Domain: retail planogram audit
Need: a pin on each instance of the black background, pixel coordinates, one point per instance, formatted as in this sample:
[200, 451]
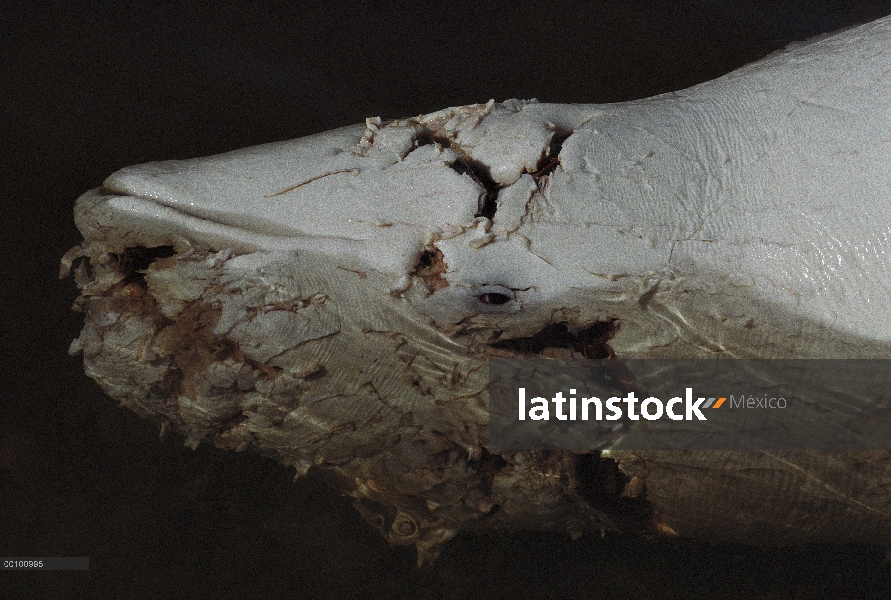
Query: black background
[88, 88]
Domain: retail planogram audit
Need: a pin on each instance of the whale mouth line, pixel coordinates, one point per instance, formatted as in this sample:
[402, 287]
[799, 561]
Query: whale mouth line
[557, 341]
[134, 261]
[247, 224]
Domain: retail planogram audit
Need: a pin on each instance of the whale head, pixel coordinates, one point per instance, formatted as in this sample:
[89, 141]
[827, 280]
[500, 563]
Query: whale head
[332, 301]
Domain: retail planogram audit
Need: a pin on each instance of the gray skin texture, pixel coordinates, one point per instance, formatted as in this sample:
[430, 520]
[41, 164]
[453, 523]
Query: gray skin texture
[332, 301]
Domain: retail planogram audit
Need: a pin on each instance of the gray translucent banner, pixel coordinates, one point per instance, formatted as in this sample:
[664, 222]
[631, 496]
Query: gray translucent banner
[553, 404]
[45, 563]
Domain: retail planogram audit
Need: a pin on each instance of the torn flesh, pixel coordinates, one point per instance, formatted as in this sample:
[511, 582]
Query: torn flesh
[332, 301]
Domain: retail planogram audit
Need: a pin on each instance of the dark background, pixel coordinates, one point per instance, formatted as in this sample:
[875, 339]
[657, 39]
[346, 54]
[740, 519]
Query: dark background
[86, 89]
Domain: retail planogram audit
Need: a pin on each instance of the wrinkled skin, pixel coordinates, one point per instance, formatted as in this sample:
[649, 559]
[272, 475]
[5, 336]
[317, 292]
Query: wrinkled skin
[332, 301]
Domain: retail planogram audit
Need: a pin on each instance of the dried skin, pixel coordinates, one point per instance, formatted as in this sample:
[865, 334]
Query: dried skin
[413, 459]
[332, 302]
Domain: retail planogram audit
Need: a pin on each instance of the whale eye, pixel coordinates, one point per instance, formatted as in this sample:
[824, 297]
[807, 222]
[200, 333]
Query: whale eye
[493, 298]
[404, 527]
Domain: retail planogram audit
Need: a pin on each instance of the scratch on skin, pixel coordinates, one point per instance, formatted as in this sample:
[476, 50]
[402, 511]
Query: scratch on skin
[528, 244]
[345, 426]
[294, 187]
[361, 274]
[397, 407]
[825, 485]
[608, 276]
[327, 336]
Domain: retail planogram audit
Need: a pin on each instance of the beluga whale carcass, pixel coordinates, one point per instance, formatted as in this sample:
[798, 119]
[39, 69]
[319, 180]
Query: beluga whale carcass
[333, 301]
